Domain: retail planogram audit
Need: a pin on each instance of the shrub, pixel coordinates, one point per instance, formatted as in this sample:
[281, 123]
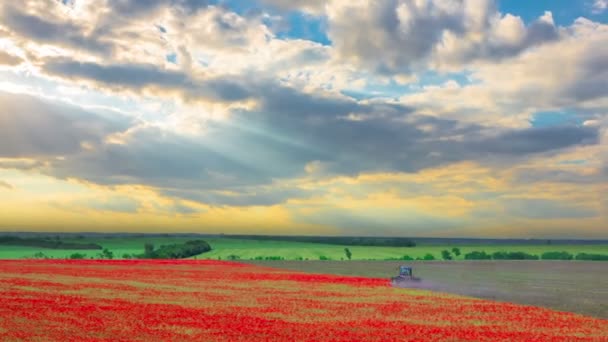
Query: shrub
[78, 256]
[105, 254]
[475, 255]
[456, 251]
[445, 254]
[323, 257]
[513, 256]
[429, 256]
[233, 257]
[557, 256]
[591, 257]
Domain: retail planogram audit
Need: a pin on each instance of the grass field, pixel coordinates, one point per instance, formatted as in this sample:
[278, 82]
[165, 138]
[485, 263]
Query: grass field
[580, 286]
[250, 249]
[196, 300]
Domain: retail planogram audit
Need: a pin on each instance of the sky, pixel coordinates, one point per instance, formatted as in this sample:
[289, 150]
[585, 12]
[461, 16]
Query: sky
[438, 118]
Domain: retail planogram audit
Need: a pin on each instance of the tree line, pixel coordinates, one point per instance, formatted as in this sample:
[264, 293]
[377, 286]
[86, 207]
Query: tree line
[333, 240]
[50, 243]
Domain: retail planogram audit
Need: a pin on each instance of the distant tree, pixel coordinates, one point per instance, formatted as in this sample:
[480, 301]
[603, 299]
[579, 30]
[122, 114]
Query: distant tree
[445, 254]
[148, 250]
[429, 256]
[233, 257]
[348, 253]
[126, 256]
[557, 256]
[500, 255]
[476, 255]
[78, 256]
[106, 254]
[456, 251]
[591, 257]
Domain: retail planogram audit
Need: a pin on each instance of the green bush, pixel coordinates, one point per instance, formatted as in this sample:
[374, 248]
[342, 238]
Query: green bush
[233, 257]
[445, 254]
[475, 255]
[105, 254]
[323, 257]
[591, 257]
[273, 258]
[78, 256]
[429, 256]
[456, 251]
[557, 256]
[513, 256]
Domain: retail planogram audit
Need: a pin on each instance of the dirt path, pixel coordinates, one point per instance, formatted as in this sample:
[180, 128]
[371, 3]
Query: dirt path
[580, 287]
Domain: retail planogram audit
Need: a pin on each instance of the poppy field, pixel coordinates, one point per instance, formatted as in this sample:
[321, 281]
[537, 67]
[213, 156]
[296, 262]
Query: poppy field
[162, 300]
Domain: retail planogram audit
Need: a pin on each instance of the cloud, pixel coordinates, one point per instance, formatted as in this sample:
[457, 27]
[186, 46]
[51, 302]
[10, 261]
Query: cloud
[32, 127]
[599, 6]
[311, 6]
[403, 36]
[510, 92]
[535, 140]
[236, 161]
[142, 77]
[5, 185]
[8, 59]
[52, 31]
[119, 204]
[532, 175]
[546, 209]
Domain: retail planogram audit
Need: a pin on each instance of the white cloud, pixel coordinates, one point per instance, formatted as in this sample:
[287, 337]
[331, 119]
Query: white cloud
[402, 35]
[599, 6]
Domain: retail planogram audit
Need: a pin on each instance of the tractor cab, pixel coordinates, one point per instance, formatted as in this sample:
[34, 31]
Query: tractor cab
[405, 275]
[405, 271]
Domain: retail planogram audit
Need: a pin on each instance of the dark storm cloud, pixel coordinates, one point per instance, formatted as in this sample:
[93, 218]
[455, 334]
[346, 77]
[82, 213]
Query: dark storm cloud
[31, 127]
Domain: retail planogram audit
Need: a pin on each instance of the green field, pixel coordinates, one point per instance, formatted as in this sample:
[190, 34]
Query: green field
[250, 249]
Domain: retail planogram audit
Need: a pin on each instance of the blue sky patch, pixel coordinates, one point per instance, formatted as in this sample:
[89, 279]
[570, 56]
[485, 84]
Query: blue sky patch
[564, 11]
[555, 118]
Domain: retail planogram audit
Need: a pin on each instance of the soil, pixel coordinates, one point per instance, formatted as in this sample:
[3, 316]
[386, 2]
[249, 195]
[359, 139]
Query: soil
[574, 286]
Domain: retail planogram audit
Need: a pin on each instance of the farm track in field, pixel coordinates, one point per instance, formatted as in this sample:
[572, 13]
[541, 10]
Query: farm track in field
[579, 287]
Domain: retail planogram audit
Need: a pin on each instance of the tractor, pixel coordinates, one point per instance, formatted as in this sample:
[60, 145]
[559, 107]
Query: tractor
[405, 276]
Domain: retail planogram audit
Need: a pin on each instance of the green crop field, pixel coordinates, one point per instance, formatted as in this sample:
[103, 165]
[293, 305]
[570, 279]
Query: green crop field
[251, 249]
